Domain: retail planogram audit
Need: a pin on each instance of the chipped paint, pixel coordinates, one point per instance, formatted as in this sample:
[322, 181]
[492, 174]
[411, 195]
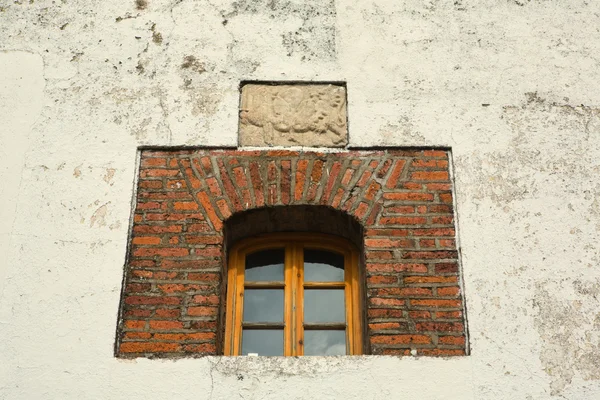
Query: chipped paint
[99, 216]
[110, 173]
[570, 333]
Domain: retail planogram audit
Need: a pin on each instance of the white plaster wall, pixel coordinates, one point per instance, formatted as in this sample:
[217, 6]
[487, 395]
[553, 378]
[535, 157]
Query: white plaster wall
[512, 86]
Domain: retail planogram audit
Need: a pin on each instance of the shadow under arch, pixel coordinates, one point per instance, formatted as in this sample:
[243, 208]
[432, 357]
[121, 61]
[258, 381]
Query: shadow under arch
[293, 218]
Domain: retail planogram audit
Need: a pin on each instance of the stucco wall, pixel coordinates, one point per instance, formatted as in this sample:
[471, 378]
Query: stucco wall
[512, 86]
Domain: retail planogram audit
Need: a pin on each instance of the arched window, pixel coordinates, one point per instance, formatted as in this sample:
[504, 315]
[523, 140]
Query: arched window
[200, 215]
[293, 294]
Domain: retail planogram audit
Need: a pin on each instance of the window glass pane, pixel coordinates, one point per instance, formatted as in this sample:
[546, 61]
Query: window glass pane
[263, 305]
[323, 266]
[265, 342]
[324, 343]
[324, 305]
[265, 265]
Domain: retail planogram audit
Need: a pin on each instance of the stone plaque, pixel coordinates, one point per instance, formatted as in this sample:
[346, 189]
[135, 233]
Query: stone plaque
[293, 115]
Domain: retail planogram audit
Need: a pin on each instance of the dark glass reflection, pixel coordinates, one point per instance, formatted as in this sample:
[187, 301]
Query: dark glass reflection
[264, 342]
[265, 266]
[263, 305]
[324, 305]
[324, 343]
[323, 266]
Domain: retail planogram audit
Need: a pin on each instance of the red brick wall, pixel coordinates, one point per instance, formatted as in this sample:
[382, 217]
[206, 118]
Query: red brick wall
[172, 299]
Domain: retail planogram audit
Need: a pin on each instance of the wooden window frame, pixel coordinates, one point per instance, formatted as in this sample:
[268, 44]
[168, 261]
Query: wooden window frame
[293, 286]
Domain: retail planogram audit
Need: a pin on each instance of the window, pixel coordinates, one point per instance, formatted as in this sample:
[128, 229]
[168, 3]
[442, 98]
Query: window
[293, 294]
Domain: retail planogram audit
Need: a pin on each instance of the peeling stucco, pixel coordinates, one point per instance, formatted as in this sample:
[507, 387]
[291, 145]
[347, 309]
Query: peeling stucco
[99, 216]
[570, 332]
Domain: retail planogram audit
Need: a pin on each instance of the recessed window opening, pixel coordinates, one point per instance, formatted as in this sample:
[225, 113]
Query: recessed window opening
[391, 210]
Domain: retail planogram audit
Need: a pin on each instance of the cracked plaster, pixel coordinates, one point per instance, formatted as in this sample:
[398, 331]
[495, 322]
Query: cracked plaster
[511, 86]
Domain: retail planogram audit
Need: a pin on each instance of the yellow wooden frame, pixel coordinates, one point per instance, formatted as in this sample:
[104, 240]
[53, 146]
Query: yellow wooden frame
[293, 286]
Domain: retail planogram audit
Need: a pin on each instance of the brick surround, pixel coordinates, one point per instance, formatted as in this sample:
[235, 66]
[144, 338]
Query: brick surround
[172, 302]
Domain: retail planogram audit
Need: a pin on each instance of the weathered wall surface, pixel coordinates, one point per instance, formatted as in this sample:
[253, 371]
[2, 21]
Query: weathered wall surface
[512, 86]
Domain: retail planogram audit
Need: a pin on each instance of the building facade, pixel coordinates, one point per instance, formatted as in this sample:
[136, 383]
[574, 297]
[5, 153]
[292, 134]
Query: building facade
[141, 140]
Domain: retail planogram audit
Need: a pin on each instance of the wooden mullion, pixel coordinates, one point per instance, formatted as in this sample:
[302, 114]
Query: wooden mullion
[348, 276]
[299, 309]
[263, 325]
[326, 326]
[324, 285]
[356, 305]
[230, 327]
[264, 285]
[239, 304]
[289, 300]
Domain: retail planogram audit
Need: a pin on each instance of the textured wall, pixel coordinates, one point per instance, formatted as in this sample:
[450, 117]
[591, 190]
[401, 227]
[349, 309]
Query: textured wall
[511, 86]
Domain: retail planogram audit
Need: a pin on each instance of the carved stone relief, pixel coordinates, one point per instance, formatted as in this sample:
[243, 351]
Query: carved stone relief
[293, 115]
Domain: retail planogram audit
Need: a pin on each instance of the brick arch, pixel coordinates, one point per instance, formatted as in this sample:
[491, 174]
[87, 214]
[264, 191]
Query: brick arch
[224, 182]
[402, 198]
